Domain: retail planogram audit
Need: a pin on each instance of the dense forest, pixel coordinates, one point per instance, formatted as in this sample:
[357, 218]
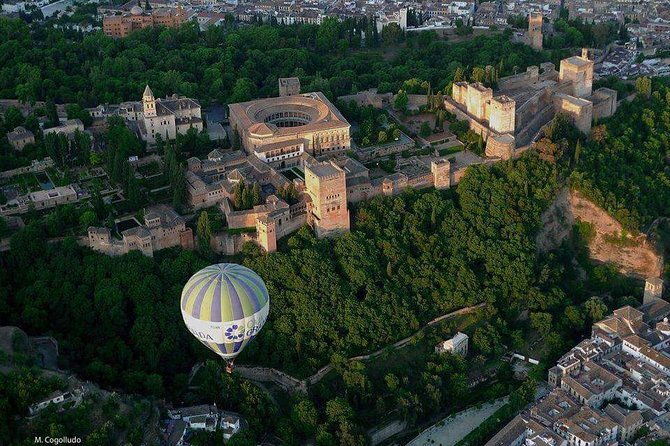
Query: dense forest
[231, 64]
[625, 164]
[408, 259]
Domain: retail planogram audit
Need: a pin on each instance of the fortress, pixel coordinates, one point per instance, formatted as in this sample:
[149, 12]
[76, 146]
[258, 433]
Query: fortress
[512, 117]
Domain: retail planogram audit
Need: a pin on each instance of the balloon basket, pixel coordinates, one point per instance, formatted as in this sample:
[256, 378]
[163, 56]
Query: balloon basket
[229, 367]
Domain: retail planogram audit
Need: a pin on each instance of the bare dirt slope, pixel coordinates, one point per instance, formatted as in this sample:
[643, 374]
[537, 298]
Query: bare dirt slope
[632, 255]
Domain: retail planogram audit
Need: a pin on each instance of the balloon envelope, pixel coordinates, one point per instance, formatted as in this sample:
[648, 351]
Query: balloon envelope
[224, 306]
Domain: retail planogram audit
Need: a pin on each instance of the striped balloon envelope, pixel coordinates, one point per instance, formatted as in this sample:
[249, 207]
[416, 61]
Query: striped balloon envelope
[225, 306]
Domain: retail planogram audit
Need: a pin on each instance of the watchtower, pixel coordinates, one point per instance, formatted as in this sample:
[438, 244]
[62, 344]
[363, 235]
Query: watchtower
[502, 114]
[535, 30]
[326, 186]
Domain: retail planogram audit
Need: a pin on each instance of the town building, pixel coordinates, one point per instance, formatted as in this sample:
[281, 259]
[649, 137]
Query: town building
[608, 386]
[204, 417]
[327, 189]
[123, 23]
[20, 137]
[289, 86]
[59, 399]
[535, 35]
[45, 199]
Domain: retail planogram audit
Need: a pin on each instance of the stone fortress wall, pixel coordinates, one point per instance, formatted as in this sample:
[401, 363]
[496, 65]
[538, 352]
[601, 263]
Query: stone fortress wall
[515, 113]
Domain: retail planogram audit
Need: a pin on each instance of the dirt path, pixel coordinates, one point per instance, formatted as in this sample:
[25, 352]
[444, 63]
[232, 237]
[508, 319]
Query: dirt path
[292, 384]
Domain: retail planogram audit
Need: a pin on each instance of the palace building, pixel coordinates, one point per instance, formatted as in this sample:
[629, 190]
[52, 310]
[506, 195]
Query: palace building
[167, 117]
[279, 130]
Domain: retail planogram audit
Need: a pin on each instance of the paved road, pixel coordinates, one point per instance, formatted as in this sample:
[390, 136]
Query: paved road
[452, 429]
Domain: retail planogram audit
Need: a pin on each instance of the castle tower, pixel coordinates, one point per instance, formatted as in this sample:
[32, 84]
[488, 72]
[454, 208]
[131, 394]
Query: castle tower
[653, 289]
[266, 231]
[500, 146]
[502, 114]
[289, 86]
[579, 71]
[402, 18]
[149, 103]
[477, 99]
[326, 186]
[441, 170]
[535, 30]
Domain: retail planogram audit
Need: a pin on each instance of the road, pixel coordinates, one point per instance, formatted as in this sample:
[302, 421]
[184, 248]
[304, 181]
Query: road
[452, 429]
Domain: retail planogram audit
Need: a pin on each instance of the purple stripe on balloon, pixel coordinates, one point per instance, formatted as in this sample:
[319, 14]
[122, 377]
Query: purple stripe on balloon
[216, 302]
[201, 296]
[253, 296]
[188, 292]
[236, 347]
[255, 282]
[236, 305]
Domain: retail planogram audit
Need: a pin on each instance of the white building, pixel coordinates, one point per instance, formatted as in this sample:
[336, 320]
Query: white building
[168, 117]
[230, 425]
[457, 345]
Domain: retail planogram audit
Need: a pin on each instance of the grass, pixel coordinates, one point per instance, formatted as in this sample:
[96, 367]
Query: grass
[450, 150]
[489, 427]
[156, 182]
[27, 182]
[233, 231]
[290, 174]
[298, 172]
[149, 169]
[586, 230]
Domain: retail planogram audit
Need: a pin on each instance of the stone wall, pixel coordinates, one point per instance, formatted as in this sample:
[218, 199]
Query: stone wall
[604, 103]
[241, 219]
[579, 110]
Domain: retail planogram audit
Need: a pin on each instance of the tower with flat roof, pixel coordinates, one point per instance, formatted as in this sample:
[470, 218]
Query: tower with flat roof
[535, 30]
[326, 186]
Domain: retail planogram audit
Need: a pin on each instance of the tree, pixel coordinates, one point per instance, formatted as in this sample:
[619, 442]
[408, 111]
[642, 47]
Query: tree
[541, 322]
[392, 34]
[401, 101]
[327, 34]
[88, 218]
[338, 411]
[595, 309]
[425, 129]
[487, 340]
[643, 86]
[256, 197]
[52, 114]
[75, 111]
[459, 75]
[204, 233]
[304, 417]
[178, 184]
[13, 118]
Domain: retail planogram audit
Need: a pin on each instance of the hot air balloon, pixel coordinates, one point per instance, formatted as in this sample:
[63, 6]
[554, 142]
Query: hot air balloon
[225, 306]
